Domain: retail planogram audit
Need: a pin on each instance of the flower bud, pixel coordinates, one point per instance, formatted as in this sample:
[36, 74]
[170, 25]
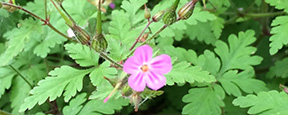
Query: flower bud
[99, 43]
[187, 10]
[169, 17]
[147, 13]
[81, 35]
[158, 16]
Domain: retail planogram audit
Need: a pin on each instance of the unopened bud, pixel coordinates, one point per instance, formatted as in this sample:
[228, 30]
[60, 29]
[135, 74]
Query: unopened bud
[169, 17]
[147, 13]
[187, 10]
[99, 43]
[158, 16]
[144, 37]
[81, 35]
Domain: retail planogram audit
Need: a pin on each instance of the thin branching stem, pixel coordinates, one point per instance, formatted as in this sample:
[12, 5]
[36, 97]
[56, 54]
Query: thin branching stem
[31, 86]
[36, 16]
[137, 40]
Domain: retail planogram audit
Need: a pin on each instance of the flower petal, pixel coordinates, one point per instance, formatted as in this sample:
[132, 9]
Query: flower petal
[143, 54]
[161, 64]
[132, 65]
[154, 80]
[137, 82]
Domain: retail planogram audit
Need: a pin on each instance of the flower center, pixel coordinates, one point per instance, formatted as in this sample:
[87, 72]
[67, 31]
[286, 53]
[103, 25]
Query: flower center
[144, 68]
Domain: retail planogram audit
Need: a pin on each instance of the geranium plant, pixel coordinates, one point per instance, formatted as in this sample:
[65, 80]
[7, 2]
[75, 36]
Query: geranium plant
[196, 57]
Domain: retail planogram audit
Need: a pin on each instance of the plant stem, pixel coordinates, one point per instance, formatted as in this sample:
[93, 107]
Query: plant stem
[45, 2]
[31, 86]
[106, 57]
[259, 15]
[147, 40]
[4, 113]
[149, 22]
[34, 15]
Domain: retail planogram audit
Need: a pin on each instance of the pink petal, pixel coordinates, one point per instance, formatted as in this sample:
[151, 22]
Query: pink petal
[137, 82]
[143, 54]
[132, 65]
[161, 64]
[154, 80]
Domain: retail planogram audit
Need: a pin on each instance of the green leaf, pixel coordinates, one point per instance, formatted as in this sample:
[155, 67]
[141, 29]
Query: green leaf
[183, 72]
[217, 26]
[18, 37]
[83, 55]
[117, 51]
[279, 37]
[120, 29]
[238, 54]
[83, 13]
[97, 107]
[20, 90]
[103, 91]
[63, 79]
[75, 105]
[181, 53]
[232, 82]
[131, 7]
[279, 4]
[197, 30]
[200, 16]
[265, 103]
[279, 69]
[209, 62]
[6, 76]
[204, 101]
[98, 74]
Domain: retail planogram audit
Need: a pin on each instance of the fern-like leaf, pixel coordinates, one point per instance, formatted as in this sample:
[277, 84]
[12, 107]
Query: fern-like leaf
[65, 79]
[265, 103]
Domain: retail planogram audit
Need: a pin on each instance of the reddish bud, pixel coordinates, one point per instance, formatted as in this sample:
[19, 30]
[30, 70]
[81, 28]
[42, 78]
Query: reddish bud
[187, 10]
[158, 16]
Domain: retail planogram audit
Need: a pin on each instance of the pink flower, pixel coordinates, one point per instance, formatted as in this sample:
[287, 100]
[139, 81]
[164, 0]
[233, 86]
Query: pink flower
[146, 70]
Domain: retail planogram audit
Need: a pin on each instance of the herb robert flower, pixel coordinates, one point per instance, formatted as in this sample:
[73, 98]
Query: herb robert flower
[146, 70]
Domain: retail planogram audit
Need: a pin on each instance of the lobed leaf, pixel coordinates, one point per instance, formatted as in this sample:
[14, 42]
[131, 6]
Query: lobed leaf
[279, 4]
[204, 101]
[98, 107]
[75, 105]
[279, 37]
[83, 55]
[232, 82]
[279, 69]
[264, 103]
[65, 79]
[98, 74]
[183, 72]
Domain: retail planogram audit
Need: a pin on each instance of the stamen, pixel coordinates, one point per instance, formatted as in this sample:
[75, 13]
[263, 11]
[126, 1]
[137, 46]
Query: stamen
[144, 68]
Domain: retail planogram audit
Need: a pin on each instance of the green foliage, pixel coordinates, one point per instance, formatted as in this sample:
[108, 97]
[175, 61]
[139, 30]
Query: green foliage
[280, 35]
[75, 105]
[204, 101]
[83, 55]
[63, 79]
[131, 7]
[6, 76]
[16, 42]
[279, 69]
[265, 103]
[232, 82]
[183, 72]
[93, 107]
[236, 56]
[98, 74]
[279, 4]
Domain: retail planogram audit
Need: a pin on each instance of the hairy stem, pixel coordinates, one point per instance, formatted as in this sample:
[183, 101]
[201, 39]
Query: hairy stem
[31, 86]
[153, 36]
[140, 35]
[34, 15]
[106, 57]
